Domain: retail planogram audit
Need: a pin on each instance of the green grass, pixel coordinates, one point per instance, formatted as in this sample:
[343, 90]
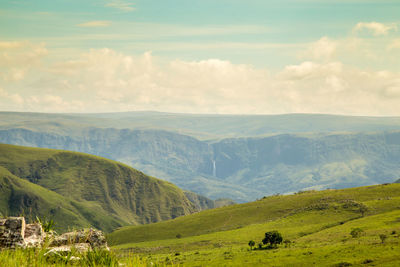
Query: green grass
[80, 190]
[318, 222]
[39, 258]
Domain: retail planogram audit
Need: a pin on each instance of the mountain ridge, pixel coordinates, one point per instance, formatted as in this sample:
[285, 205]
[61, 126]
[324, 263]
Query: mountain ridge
[104, 187]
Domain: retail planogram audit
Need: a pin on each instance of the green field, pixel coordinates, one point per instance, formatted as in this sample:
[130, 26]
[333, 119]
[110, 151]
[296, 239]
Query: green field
[318, 224]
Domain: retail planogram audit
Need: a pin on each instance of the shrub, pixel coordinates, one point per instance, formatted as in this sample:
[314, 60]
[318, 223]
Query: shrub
[367, 261]
[382, 237]
[363, 209]
[287, 243]
[252, 244]
[356, 232]
[47, 225]
[273, 238]
[178, 236]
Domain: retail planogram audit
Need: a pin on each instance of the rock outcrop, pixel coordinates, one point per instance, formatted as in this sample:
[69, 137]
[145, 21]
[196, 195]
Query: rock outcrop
[34, 235]
[15, 233]
[83, 239]
[12, 232]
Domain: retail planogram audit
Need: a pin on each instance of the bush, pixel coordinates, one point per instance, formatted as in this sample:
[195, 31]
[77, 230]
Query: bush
[47, 225]
[252, 244]
[287, 243]
[367, 261]
[356, 232]
[383, 237]
[273, 238]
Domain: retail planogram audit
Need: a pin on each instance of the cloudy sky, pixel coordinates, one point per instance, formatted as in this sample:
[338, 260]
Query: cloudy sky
[201, 56]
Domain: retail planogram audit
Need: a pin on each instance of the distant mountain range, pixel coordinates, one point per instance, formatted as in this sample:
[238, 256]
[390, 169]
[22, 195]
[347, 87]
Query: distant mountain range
[80, 190]
[224, 156]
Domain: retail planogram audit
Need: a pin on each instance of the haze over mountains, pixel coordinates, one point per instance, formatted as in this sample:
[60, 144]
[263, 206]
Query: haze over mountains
[226, 156]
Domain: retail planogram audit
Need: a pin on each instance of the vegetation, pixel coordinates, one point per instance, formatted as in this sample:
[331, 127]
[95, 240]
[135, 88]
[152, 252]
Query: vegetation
[47, 225]
[316, 225]
[272, 238]
[40, 258]
[252, 244]
[383, 237]
[76, 190]
[356, 232]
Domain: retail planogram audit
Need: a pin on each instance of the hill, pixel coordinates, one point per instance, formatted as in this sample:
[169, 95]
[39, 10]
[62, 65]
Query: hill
[241, 169]
[317, 223]
[77, 189]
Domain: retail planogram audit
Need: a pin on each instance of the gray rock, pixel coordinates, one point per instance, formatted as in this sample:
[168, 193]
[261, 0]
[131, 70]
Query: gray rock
[12, 231]
[94, 238]
[34, 235]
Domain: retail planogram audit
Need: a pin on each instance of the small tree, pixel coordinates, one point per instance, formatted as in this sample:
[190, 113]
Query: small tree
[356, 232]
[383, 237]
[252, 244]
[272, 238]
[363, 209]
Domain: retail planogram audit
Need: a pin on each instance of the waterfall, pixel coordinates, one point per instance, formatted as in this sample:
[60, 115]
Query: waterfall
[214, 169]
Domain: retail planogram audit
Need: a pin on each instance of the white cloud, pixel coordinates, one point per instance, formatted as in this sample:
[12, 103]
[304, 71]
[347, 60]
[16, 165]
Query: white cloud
[9, 99]
[310, 70]
[121, 5]
[104, 80]
[375, 28]
[323, 49]
[11, 45]
[395, 44]
[96, 23]
[17, 58]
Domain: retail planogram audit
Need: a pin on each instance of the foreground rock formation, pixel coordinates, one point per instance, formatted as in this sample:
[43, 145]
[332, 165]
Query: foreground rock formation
[12, 232]
[15, 233]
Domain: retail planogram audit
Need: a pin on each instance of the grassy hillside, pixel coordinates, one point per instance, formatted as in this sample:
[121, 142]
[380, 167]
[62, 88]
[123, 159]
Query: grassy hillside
[92, 190]
[318, 224]
[20, 197]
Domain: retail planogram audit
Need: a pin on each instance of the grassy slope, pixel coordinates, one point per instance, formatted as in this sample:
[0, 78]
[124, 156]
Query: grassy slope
[100, 190]
[20, 197]
[318, 222]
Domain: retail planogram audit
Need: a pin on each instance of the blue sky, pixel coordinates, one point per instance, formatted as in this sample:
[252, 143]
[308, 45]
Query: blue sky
[274, 42]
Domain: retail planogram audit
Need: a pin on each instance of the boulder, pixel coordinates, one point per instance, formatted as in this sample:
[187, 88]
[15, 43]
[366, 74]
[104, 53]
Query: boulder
[34, 235]
[94, 238]
[80, 247]
[12, 232]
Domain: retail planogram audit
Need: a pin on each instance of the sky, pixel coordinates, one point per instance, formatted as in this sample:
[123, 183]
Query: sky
[201, 56]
